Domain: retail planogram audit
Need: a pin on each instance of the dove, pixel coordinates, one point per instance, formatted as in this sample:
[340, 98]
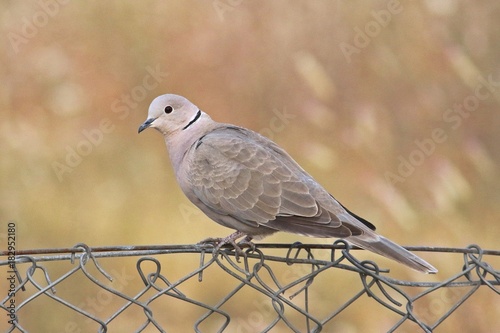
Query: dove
[244, 181]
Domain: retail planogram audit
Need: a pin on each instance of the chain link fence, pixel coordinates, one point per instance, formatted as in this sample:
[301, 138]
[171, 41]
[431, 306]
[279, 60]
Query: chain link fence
[271, 288]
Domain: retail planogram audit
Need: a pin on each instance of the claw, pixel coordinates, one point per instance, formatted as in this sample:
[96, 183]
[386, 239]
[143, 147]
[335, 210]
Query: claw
[247, 241]
[231, 239]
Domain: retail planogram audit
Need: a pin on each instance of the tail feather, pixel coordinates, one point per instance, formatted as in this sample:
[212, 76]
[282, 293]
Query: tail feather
[393, 251]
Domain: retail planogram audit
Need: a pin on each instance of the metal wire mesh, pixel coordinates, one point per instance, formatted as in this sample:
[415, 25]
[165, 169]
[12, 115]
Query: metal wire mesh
[282, 301]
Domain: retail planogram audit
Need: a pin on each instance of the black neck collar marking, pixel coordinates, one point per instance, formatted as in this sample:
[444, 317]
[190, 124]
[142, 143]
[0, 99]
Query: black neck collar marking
[198, 115]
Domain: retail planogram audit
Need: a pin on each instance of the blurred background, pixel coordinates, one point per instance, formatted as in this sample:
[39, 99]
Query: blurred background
[392, 106]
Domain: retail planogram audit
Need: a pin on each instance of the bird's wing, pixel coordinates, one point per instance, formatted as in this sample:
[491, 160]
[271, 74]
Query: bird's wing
[236, 172]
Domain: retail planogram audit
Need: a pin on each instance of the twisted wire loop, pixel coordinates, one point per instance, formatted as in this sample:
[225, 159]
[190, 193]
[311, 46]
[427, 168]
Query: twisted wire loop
[288, 303]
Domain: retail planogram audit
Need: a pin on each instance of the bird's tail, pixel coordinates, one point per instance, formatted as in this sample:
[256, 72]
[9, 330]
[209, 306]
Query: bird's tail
[391, 250]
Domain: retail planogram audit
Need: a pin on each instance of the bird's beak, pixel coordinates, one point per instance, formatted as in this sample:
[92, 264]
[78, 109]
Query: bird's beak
[146, 124]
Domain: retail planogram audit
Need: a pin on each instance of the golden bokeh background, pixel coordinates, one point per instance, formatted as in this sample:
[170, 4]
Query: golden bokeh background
[392, 106]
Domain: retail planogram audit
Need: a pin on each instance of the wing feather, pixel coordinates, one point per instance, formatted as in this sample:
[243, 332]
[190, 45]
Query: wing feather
[239, 173]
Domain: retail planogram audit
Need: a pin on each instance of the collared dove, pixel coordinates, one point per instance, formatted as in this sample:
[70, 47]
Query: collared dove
[244, 181]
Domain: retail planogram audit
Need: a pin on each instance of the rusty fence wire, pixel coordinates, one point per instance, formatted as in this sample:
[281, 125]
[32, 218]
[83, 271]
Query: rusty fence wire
[271, 288]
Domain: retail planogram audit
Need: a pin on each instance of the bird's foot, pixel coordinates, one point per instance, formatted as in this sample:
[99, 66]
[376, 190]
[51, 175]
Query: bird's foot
[231, 239]
[247, 242]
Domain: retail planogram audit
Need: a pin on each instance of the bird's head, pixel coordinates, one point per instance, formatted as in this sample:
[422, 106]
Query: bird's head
[171, 113]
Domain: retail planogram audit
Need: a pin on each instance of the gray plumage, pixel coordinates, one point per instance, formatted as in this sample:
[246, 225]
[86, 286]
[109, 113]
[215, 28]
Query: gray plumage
[246, 182]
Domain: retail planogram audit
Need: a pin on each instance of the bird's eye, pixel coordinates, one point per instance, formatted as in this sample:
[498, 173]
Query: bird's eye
[168, 109]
